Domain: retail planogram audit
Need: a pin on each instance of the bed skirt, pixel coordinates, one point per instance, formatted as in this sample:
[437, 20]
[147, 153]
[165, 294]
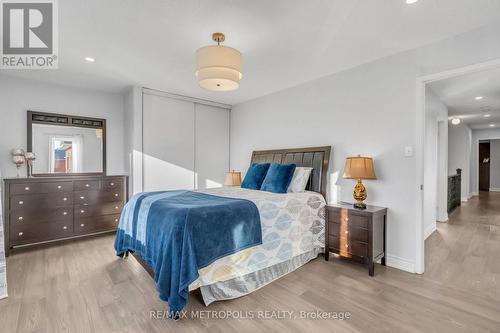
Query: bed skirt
[246, 284]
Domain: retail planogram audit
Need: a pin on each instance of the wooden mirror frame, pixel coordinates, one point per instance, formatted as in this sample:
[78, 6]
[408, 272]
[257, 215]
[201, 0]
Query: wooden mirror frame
[35, 117]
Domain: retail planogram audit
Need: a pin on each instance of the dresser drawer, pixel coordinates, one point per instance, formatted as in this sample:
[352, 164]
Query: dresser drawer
[343, 246]
[40, 202]
[89, 198]
[86, 185]
[82, 211]
[23, 234]
[347, 231]
[112, 184]
[345, 216]
[44, 187]
[96, 224]
[22, 217]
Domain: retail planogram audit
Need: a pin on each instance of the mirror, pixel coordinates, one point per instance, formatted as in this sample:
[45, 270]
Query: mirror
[66, 145]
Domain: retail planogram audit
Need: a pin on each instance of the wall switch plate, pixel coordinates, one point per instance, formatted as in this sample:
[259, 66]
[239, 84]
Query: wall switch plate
[408, 151]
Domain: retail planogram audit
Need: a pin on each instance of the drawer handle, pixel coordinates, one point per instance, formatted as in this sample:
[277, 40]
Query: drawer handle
[346, 232]
[116, 220]
[116, 207]
[82, 211]
[65, 213]
[87, 185]
[82, 225]
[346, 245]
[112, 184]
[21, 233]
[65, 199]
[65, 227]
[20, 218]
[21, 202]
[59, 187]
[82, 197]
[27, 188]
[116, 194]
[346, 219]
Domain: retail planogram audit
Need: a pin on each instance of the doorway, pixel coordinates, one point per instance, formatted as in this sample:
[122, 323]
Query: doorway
[484, 165]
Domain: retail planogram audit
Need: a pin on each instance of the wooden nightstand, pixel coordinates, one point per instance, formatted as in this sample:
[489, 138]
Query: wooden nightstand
[355, 234]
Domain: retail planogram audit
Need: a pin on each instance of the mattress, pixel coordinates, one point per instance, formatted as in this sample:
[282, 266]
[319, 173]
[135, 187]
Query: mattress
[293, 232]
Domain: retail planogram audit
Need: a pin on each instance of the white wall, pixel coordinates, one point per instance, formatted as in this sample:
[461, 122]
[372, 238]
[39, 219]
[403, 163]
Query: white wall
[459, 155]
[435, 161]
[480, 134]
[369, 110]
[495, 165]
[20, 95]
[133, 138]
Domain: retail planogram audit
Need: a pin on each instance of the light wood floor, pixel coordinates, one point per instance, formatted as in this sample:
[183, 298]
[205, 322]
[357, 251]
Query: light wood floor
[82, 287]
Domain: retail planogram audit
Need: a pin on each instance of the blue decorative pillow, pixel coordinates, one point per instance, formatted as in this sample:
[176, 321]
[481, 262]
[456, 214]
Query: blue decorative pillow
[278, 178]
[255, 176]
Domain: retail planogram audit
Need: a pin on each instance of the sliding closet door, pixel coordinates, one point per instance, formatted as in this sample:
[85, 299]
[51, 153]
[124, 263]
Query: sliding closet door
[212, 145]
[168, 143]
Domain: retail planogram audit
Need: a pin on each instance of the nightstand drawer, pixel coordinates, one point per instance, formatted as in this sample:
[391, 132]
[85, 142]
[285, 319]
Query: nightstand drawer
[347, 231]
[345, 216]
[344, 246]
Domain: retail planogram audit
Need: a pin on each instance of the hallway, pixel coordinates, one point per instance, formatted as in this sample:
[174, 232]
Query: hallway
[464, 253]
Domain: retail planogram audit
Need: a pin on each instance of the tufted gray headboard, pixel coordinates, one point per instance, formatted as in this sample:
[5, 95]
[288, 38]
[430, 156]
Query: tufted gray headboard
[317, 158]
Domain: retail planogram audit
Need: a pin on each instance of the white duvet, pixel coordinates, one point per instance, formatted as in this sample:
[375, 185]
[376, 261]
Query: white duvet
[292, 224]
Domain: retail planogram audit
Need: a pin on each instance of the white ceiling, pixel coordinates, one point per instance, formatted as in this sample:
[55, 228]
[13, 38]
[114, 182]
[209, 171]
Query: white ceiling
[284, 42]
[459, 94]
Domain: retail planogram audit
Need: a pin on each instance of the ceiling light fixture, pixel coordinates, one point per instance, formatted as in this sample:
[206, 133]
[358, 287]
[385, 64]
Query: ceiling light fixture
[487, 115]
[89, 59]
[455, 121]
[411, 1]
[218, 68]
[492, 125]
[478, 98]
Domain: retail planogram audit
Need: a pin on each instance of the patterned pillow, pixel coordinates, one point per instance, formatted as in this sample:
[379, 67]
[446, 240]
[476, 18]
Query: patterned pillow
[299, 180]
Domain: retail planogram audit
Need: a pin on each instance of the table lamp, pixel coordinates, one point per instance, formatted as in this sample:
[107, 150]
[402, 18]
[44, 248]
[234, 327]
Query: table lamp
[233, 178]
[359, 168]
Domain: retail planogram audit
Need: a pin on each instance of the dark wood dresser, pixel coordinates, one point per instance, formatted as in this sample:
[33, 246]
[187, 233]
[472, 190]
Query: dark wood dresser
[45, 209]
[355, 234]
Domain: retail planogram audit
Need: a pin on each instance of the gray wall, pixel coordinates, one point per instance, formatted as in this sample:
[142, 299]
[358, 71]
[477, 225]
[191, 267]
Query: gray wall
[19, 95]
[495, 165]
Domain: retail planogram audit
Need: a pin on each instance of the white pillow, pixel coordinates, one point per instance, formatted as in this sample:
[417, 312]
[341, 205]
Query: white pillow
[299, 179]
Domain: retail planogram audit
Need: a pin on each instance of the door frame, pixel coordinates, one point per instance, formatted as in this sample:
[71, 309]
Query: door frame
[476, 143]
[421, 84]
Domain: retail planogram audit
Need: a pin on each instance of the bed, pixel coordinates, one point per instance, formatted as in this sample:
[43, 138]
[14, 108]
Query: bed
[291, 231]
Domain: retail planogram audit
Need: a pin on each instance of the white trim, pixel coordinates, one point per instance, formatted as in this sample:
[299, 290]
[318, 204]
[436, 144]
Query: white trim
[421, 82]
[477, 166]
[494, 189]
[430, 230]
[464, 199]
[475, 194]
[149, 91]
[400, 263]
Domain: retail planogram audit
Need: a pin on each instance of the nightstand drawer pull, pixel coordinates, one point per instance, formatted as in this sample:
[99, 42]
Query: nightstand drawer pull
[112, 184]
[87, 185]
[82, 225]
[65, 227]
[59, 187]
[21, 202]
[65, 213]
[20, 218]
[26, 188]
[21, 233]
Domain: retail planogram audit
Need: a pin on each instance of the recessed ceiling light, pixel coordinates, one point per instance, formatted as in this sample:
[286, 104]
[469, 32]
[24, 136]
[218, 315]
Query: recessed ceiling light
[492, 125]
[479, 98]
[455, 121]
[89, 59]
[487, 115]
[411, 1]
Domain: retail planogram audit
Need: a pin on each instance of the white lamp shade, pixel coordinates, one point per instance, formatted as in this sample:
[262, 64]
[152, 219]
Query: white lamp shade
[218, 68]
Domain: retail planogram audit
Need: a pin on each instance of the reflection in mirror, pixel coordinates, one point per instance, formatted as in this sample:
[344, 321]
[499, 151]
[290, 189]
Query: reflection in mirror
[66, 149]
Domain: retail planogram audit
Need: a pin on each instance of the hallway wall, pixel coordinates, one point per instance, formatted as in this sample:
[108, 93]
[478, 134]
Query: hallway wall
[459, 155]
[495, 165]
[480, 134]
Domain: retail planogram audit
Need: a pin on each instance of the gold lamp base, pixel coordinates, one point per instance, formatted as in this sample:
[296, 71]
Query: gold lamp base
[359, 195]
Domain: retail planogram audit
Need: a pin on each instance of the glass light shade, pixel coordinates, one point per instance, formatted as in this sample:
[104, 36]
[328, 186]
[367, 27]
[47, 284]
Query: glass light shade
[233, 178]
[218, 68]
[455, 121]
[17, 152]
[359, 167]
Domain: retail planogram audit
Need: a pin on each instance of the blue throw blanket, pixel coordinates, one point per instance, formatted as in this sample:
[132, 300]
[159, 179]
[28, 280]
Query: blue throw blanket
[179, 232]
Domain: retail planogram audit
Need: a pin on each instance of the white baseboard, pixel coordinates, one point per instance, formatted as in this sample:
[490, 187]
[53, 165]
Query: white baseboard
[464, 199]
[494, 189]
[429, 230]
[400, 263]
